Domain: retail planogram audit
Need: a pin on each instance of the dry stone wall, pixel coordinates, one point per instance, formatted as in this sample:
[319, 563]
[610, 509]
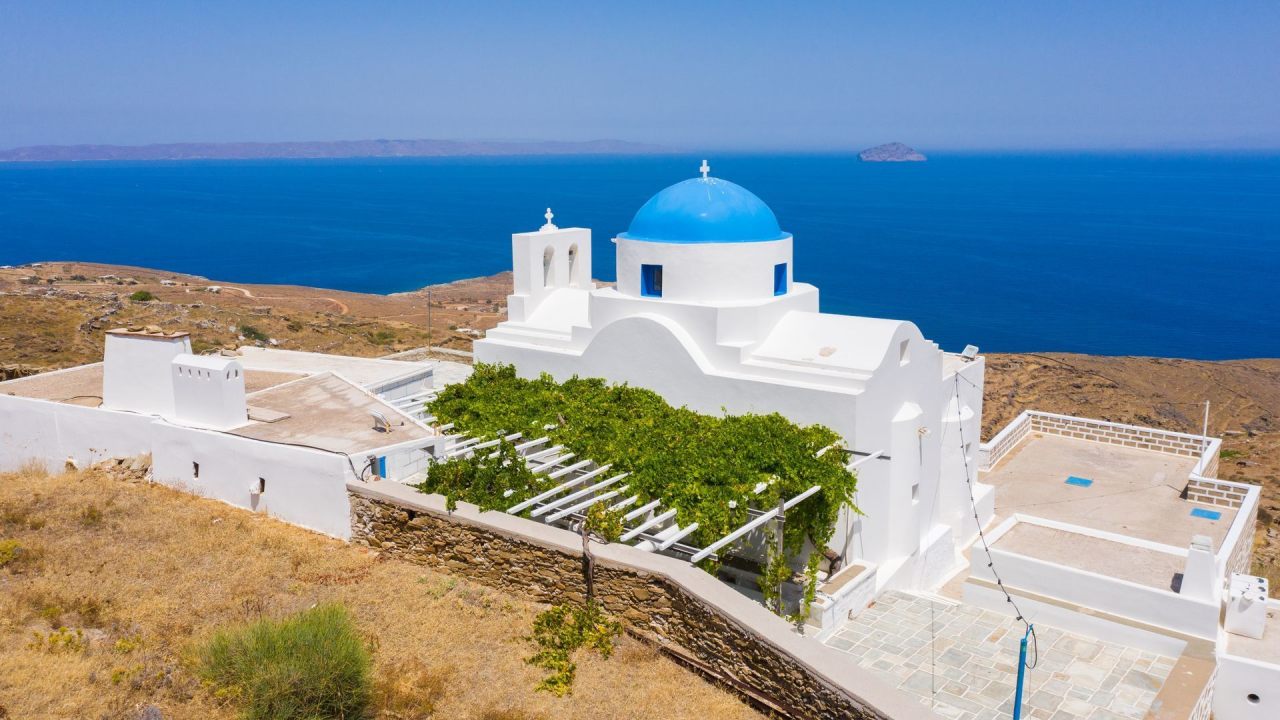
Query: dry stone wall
[757, 654]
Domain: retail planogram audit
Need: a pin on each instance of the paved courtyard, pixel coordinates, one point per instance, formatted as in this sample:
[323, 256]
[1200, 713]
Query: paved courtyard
[973, 654]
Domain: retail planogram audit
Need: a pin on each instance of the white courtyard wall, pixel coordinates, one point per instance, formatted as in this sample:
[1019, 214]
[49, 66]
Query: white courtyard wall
[1086, 623]
[302, 486]
[1093, 592]
[50, 433]
[1240, 677]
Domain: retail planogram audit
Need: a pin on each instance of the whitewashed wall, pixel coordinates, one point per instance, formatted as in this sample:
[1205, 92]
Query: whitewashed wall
[1240, 677]
[303, 486]
[710, 273]
[50, 433]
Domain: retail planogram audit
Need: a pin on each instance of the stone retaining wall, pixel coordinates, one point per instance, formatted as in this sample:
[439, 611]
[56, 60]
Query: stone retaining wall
[680, 608]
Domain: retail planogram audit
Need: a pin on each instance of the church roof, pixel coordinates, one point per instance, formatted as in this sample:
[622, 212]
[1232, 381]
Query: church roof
[704, 210]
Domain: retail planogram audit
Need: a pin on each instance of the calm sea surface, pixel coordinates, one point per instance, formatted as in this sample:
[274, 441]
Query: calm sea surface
[1174, 255]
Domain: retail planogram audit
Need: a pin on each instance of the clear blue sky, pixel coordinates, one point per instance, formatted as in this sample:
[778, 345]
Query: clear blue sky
[698, 75]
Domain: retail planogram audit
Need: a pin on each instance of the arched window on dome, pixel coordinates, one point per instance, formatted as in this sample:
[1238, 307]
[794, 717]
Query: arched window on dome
[548, 256]
[573, 264]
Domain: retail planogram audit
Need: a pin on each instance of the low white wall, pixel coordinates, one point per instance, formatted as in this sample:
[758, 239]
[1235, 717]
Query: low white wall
[303, 486]
[1236, 552]
[49, 433]
[990, 452]
[829, 612]
[1238, 679]
[1065, 618]
[1148, 605]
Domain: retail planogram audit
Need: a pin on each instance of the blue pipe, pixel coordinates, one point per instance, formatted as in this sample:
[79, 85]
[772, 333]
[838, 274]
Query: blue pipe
[1022, 672]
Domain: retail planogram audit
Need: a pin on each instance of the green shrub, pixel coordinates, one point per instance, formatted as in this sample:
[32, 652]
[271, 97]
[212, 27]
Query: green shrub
[142, 296]
[305, 667]
[561, 631]
[10, 552]
[252, 333]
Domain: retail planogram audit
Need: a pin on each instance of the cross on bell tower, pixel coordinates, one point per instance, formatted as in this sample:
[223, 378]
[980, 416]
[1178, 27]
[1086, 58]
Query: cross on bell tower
[549, 225]
[705, 169]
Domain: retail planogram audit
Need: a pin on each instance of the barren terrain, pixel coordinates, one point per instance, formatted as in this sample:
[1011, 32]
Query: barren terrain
[138, 573]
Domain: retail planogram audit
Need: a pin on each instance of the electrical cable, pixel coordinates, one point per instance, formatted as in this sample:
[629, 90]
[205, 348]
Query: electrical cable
[991, 564]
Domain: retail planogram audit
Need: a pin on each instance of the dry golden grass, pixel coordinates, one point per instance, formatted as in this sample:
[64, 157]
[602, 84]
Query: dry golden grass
[142, 571]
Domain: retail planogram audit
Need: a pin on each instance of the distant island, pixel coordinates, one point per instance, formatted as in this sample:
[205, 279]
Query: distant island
[331, 149]
[891, 152]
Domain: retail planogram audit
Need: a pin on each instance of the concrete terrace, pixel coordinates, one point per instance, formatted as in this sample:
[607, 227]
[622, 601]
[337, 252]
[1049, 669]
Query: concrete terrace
[1135, 492]
[962, 661]
[83, 385]
[326, 412]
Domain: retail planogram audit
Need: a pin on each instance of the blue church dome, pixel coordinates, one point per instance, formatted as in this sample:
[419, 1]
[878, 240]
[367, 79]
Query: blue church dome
[704, 210]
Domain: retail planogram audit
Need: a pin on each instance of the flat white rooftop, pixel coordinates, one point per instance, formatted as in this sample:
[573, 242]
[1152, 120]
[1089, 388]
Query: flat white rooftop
[367, 372]
[325, 412]
[83, 385]
[1136, 493]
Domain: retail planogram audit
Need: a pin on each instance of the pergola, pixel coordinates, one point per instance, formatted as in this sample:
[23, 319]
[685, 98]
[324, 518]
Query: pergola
[575, 484]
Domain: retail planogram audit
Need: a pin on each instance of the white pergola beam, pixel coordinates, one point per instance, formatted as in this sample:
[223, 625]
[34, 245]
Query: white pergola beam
[587, 503]
[568, 469]
[678, 536]
[577, 495]
[854, 465]
[532, 443]
[521, 507]
[635, 532]
[629, 501]
[641, 510]
[543, 453]
[752, 525]
[543, 467]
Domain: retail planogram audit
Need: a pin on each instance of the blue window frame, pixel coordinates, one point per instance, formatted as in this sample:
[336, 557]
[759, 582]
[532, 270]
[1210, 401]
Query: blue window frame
[651, 281]
[780, 279]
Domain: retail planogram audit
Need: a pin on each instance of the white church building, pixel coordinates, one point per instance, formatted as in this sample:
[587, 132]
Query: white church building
[707, 313]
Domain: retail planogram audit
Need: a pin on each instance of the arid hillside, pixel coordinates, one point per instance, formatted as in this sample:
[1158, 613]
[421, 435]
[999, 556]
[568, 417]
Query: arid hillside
[53, 315]
[109, 584]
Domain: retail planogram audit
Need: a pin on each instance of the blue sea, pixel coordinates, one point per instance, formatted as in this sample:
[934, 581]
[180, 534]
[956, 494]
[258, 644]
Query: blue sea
[1168, 255]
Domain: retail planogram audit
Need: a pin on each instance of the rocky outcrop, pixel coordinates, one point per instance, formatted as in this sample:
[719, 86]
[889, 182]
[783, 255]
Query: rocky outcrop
[891, 152]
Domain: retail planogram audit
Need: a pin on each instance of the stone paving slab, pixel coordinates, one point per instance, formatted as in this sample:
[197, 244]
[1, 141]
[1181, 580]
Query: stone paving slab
[963, 661]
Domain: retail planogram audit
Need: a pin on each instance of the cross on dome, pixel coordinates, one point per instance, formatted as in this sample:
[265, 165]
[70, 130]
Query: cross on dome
[705, 169]
[549, 226]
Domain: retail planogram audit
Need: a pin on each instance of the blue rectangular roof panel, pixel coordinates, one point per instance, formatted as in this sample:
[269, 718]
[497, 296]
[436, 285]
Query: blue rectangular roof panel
[1206, 514]
[1079, 481]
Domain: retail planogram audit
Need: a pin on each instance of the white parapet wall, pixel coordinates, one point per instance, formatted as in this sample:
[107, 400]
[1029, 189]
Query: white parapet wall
[299, 485]
[303, 486]
[52, 434]
[1247, 689]
[1086, 597]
